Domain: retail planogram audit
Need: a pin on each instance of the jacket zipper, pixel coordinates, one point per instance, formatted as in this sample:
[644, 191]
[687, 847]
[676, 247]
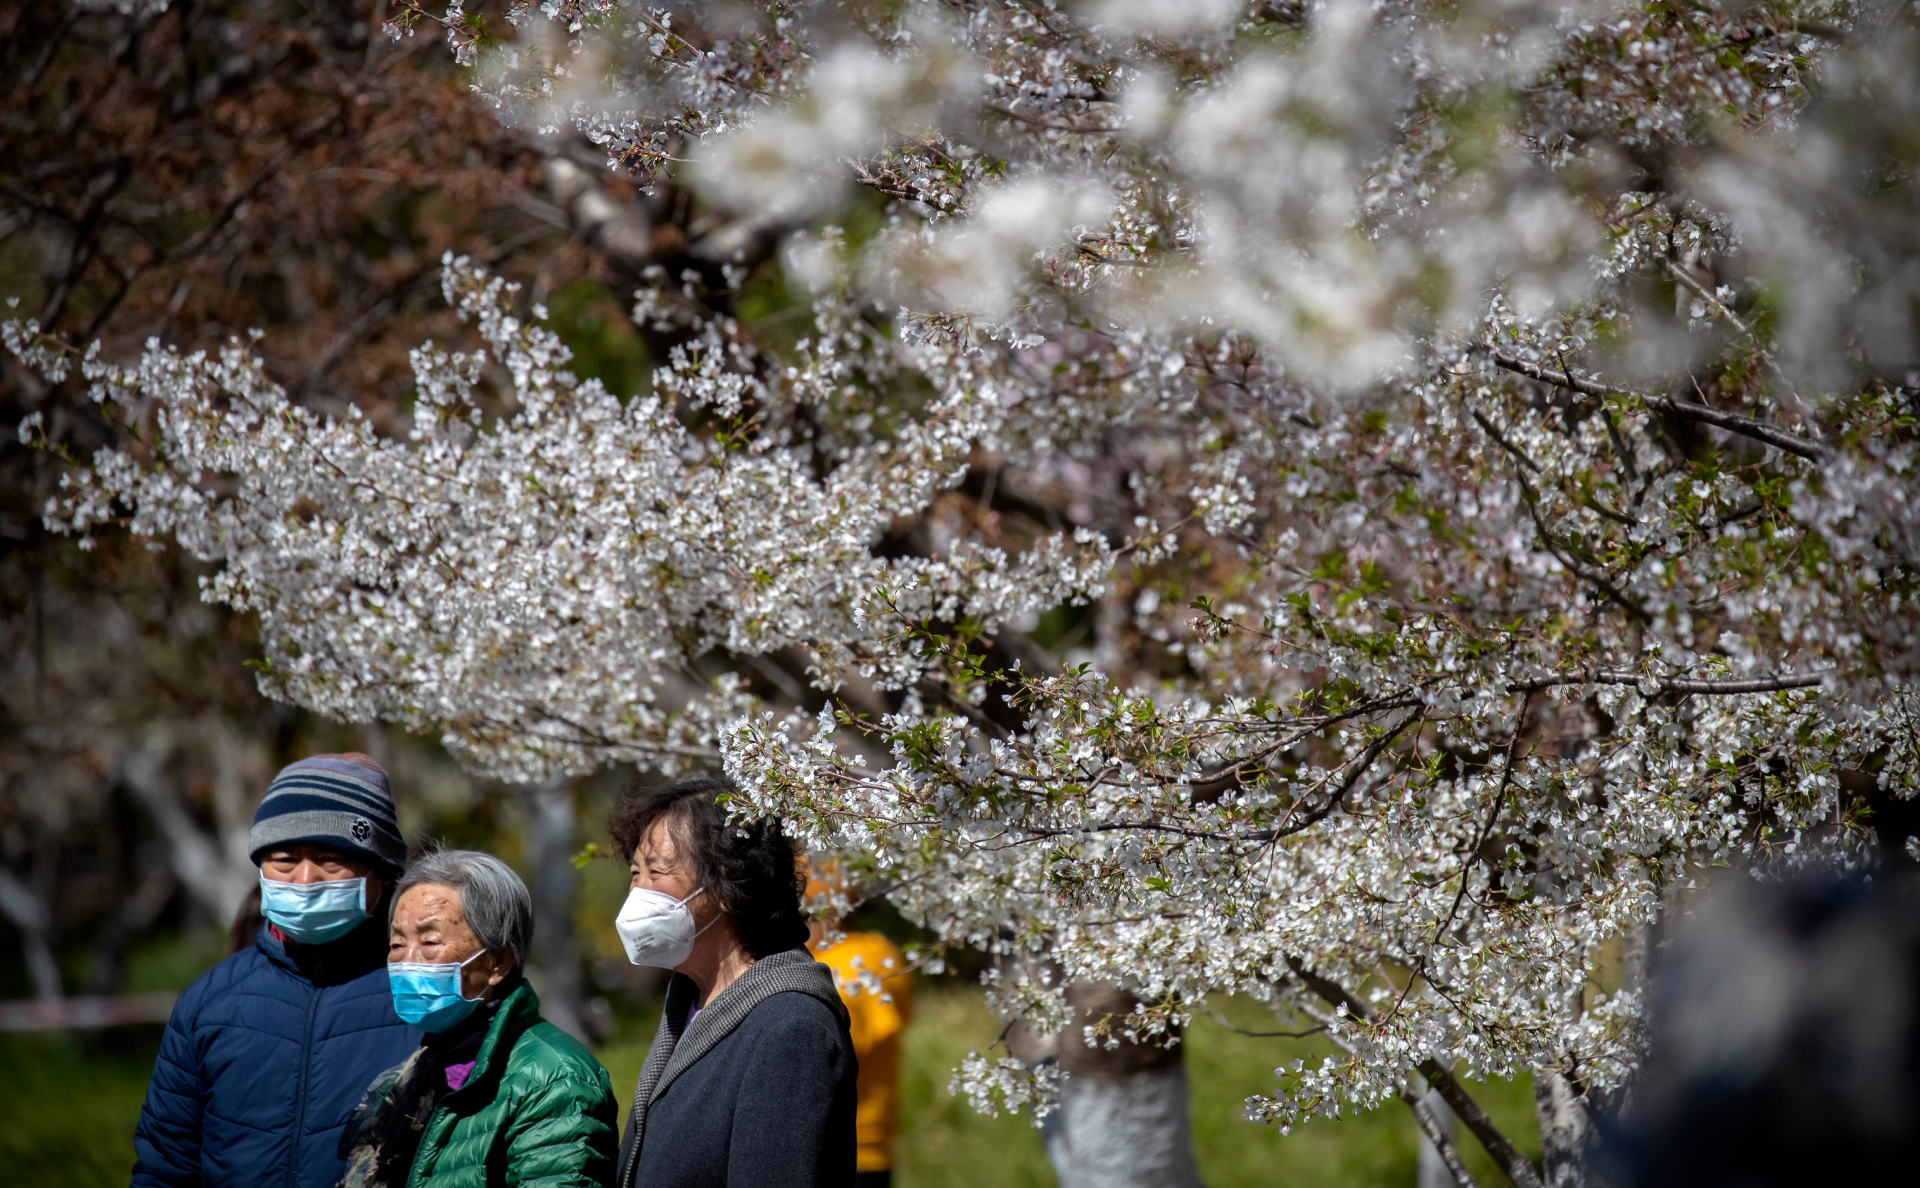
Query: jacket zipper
[300, 1098]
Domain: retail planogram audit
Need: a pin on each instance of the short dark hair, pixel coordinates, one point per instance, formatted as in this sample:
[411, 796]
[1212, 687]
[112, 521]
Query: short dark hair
[748, 865]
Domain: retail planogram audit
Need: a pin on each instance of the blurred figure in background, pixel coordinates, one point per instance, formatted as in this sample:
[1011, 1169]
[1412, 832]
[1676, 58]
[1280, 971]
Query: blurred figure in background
[1784, 1042]
[246, 925]
[268, 1051]
[873, 980]
[495, 1095]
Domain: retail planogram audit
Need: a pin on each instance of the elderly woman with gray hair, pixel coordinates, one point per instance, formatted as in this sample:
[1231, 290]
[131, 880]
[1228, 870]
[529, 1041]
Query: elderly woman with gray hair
[494, 1095]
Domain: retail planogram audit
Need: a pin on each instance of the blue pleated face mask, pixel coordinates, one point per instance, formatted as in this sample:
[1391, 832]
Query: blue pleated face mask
[427, 993]
[314, 913]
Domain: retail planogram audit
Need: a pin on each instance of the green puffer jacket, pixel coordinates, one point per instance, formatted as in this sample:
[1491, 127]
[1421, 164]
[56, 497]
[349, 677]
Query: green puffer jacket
[537, 1111]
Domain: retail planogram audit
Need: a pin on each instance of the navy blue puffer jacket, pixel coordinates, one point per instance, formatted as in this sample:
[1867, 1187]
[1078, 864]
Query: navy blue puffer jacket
[264, 1059]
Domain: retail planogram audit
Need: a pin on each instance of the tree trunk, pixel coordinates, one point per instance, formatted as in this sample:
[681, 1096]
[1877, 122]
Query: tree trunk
[1433, 1169]
[30, 913]
[1564, 1109]
[1122, 1121]
[1636, 951]
[554, 965]
[1561, 1109]
[216, 870]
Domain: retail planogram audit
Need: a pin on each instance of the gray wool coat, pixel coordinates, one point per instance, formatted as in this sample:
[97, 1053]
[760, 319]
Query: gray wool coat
[757, 1091]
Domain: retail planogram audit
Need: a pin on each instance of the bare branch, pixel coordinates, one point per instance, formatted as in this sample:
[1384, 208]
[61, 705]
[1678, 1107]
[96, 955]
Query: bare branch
[1493, 818]
[1693, 285]
[1599, 580]
[1494, 432]
[1238, 1030]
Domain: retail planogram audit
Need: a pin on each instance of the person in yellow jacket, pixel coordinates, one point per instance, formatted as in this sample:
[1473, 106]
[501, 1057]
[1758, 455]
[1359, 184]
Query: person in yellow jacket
[873, 980]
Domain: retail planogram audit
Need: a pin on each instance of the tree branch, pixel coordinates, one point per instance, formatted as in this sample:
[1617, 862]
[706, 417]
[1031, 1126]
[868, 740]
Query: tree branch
[1501, 438]
[1486, 830]
[30, 914]
[1360, 766]
[1732, 423]
[1437, 1135]
[1692, 284]
[1618, 676]
[1600, 580]
[1518, 1168]
[1238, 1030]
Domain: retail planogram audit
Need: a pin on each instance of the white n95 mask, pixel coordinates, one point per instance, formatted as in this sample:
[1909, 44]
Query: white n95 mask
[656, 928]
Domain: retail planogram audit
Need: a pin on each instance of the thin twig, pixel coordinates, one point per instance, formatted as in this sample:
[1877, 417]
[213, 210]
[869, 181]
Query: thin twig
[1692, 284]
[1501, 438]
[1360, 766]
[1213, 1015]
[1599, 579]
[1486, 830]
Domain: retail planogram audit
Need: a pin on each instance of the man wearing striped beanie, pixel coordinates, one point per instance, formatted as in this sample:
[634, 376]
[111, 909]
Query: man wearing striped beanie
[337, 802]
[267, 1054]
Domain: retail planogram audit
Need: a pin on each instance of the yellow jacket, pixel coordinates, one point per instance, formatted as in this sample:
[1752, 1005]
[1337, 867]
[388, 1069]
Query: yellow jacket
[878, 1016]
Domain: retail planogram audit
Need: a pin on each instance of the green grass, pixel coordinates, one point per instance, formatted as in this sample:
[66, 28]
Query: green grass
[173, 962]
[68, 1104]
[942, 1140]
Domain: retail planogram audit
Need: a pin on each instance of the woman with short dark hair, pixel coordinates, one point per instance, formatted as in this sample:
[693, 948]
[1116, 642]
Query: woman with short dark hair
[751, 1077]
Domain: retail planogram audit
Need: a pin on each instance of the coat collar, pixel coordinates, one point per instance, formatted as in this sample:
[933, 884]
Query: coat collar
[517, 1012]
[776, 973]
[678, 1044]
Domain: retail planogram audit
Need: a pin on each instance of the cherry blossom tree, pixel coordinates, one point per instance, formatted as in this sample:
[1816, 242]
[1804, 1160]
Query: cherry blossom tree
[1345, 505]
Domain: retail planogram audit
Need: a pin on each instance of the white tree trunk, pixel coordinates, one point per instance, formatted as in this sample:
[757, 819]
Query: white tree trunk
[1122, 1121]
[554, 965]
[1434, 1172]
[215, 869]
[30, 914]
[1562, 1111]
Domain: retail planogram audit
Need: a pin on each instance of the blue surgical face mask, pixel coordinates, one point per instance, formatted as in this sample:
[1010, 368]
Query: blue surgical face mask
[427, 994]
[314, 913]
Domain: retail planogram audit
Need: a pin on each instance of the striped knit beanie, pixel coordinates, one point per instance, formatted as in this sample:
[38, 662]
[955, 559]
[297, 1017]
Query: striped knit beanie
[340, 801]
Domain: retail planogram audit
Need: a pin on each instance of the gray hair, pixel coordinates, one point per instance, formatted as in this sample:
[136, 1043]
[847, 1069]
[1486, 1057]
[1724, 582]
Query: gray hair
[496, 903]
